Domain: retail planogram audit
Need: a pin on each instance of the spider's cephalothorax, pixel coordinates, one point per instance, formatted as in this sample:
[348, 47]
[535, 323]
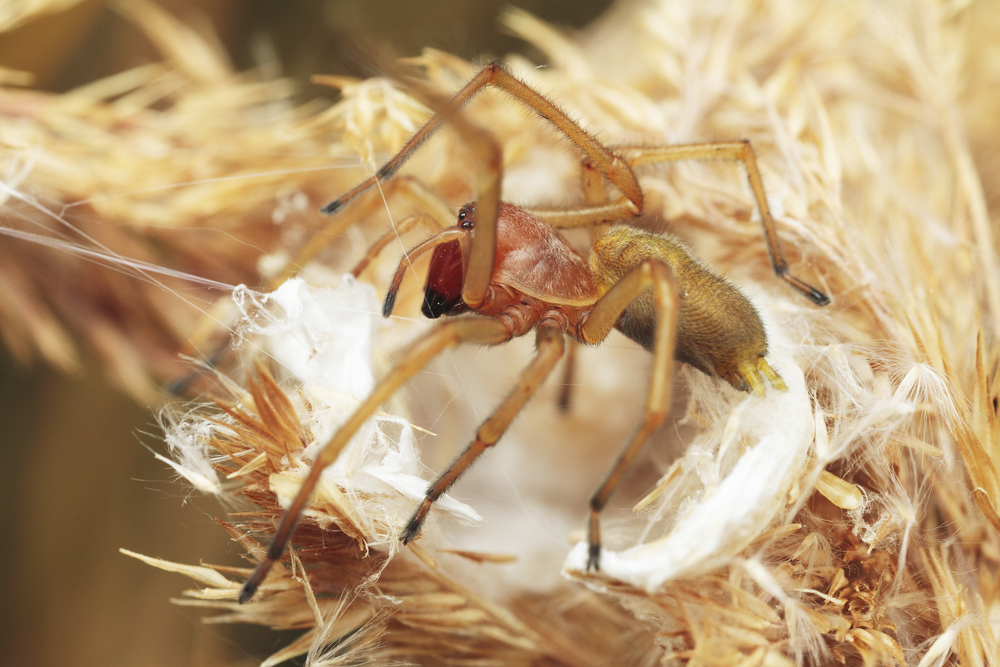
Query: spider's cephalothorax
[515, 273]
[535, 269]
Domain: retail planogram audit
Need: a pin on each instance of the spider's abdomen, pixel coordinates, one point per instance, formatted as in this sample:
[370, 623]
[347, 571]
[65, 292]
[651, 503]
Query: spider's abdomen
[718, 329]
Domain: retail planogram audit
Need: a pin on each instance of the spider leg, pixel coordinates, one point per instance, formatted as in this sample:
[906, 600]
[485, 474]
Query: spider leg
[489, 170]
[565, 401]
[446, 335]
[737, 151]
[401, 227]
[597, 212]
[651, 274]
[406, 187]
[550, 346]
[594, 194]
[408, 259]
[595, 215]
[488, 179]
[431, 205]
[221, 314]
[610, 165]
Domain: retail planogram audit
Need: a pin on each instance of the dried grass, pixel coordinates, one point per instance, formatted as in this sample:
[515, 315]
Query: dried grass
[874, 124]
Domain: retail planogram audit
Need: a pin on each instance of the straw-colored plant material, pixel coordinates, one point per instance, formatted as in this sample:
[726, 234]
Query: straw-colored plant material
[18, 12]
[875, 541]
[179, 176]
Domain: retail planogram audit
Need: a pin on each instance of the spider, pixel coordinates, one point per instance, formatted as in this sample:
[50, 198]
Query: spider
[512, 272]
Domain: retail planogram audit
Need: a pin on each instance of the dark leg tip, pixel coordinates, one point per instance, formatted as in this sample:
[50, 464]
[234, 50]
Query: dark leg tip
[818, 297]
[410, 532]
[801, 286]
[416, 522]
[248, 591]
[388, 304]
[594, 558]
[332, 207]
[253, 583]
[180, 386]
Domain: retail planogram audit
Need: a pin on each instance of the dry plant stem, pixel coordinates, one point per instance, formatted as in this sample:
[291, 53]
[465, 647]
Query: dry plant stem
[914, 566]
[448, 334]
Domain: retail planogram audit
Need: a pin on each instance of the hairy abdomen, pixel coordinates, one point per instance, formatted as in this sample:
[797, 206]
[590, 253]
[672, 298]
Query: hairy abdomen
[718, 329]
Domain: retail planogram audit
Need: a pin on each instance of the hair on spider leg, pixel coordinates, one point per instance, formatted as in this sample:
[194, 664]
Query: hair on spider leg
[510, 272]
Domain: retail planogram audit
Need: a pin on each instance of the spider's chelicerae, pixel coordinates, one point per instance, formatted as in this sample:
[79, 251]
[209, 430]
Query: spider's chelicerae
[510, 269]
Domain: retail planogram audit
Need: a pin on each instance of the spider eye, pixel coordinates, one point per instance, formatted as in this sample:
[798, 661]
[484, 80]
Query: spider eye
[466, 220]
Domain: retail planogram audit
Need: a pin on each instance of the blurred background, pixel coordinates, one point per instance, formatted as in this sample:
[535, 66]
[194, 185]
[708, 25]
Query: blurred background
[69, 596]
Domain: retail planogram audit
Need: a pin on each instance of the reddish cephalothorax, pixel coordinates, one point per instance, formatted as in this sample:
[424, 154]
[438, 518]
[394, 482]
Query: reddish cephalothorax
[515, 273]
[534, 265]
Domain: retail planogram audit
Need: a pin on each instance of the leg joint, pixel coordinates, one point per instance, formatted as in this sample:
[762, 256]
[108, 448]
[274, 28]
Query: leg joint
[552, 324]
[494, 67]
[746, 153]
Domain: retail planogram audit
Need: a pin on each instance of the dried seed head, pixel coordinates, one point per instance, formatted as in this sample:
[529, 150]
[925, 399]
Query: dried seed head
[882, 205]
